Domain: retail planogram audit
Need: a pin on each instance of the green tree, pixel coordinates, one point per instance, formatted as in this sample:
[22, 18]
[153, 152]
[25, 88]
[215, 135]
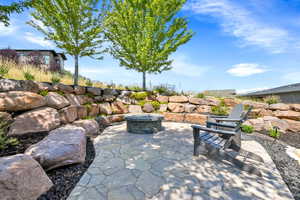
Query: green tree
[7, 9]
[73, 25]
[144, 33]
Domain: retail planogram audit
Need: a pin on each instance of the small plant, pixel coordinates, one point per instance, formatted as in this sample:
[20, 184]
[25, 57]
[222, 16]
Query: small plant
[247, 128]
[139, 95]
[6, 141]
[155, 104]
[3, 71]
[43, 92]
[142, 103]
[89, 117]
[219, 110]
[274, 133]
[271, 99]
[89, 83]
[89, 95]
[200, 95]
[165, 89]
[28, 76]
[55, 79]
[60, 93]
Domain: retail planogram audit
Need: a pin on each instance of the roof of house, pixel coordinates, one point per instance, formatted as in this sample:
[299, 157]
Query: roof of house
[47, 50]
[278, 90]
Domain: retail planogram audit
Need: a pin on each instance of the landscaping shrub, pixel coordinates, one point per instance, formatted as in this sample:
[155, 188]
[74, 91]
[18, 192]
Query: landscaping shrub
[43, 92]
[139, 95]
[219, 110]
[155, 104]
[247, 128]
[89, 83]
[165, 89]
[6, 141]
[271, 99]
[134, 88]
[200, 95]
[55, 79]
[3, 70]
[274, 132]
[60, 93]
[142, 102]
[28, 76]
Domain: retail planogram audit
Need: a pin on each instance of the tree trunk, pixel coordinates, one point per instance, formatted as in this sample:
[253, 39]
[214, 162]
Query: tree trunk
[144, 81]
[76, 70]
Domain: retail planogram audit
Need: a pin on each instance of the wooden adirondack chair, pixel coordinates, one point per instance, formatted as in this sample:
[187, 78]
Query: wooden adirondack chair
[221, 139]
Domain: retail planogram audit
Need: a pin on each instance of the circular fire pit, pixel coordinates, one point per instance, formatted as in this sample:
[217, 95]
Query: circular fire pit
[144, 124]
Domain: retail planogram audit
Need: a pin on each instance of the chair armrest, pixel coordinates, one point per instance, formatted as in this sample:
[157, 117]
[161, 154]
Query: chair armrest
[208, 123]
[217, 116]
[211, 130]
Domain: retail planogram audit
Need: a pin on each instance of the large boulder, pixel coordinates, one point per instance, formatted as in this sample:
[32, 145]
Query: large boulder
[176, 107]
[279, 106]
[79, 90]
[90, 126]
[105, 108]
[294, 126]
[198, 101]
[20, 101]
[163, 107]
[94, 91]
[189, 108]
[30, 86]
[63, 88]
[196, 118]
[56, 101]
[84, 99]
[148, 108]
[255, 104]
[178, 99]
[115, 118]
[108, 98]
[22, 178]
[45, 86]
[231, 101]
[135, 109]
[82, 112]
[203, 109]
[93, 110]
[212, 101]
[73, 99]
[174, 117]
[264, 112]
[35, 121]
[108, 91]
[162, 99]
[289, 114]
[119, 108]
[63, 146]
[257, 124]
[10, 85]
[102, 121]
[295, 107]
[270, 122]
[68, 114]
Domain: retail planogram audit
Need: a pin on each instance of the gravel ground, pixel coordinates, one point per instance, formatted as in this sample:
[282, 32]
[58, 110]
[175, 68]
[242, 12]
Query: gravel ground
[288, 167]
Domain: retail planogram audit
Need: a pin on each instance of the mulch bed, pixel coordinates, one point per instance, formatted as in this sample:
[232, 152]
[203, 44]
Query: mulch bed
[287, 166]
[64, 178]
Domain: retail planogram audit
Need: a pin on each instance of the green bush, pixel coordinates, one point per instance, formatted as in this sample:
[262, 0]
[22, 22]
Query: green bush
[165, 89]
[155, 104]
[139, 95]
[43, 92]
[219, 110]
[28, 76]
[274, 132]
[55, 79]
[89, 83]
[3, 71]
[142, 102]
[60, 93]
[6, 141]
[134, 88]
[247, 128]
[200, 95]
[271, 99]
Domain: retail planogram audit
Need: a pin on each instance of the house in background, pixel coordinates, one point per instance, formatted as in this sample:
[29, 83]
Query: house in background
[287, 93]
[48, 59]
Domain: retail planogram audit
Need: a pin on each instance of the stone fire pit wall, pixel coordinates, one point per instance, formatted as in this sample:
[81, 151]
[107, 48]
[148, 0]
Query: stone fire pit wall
[144, 124]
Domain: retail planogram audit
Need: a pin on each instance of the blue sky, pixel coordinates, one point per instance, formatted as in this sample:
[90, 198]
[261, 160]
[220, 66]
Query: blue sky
[242, 44]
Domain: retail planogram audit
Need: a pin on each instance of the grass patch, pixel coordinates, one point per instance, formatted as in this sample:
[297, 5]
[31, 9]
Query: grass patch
[247, 128]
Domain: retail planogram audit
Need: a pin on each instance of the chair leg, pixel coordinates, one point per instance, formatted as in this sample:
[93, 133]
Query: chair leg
[196, 133]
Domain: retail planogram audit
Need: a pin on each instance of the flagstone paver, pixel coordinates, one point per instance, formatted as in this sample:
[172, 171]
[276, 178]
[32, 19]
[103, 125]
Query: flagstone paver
[161, 166]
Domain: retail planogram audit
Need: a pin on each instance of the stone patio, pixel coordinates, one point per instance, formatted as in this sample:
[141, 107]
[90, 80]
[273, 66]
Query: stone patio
[161, 166]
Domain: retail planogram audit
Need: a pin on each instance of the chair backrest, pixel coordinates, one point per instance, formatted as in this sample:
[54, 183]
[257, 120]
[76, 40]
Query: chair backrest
[236, 112]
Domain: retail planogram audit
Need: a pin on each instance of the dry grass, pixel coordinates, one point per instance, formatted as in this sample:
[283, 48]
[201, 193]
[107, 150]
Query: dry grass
[16, 71]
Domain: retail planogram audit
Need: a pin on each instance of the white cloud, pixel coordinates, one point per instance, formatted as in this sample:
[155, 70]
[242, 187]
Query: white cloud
[38, 40]
[182, 66]
[7, 30]
[239, 22]
[246, 69]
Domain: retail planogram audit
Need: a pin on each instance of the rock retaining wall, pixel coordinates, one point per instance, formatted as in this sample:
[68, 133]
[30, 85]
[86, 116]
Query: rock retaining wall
[40, 107]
